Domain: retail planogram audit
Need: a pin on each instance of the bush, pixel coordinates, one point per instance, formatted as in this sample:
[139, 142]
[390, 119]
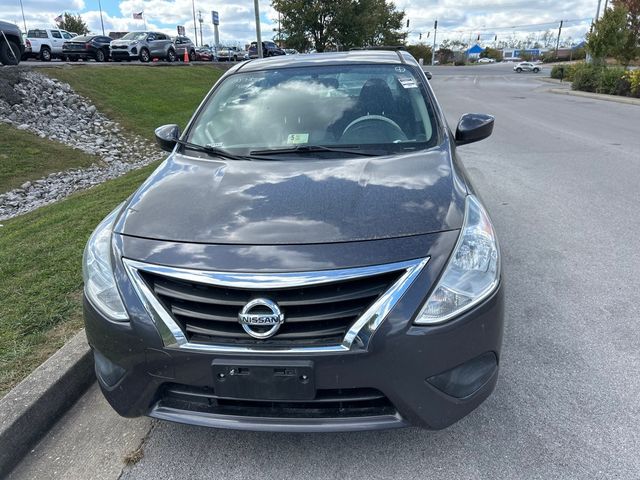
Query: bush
[586, 78]
[565, 72]
[608, 80]
[460, 63]
[633, 78]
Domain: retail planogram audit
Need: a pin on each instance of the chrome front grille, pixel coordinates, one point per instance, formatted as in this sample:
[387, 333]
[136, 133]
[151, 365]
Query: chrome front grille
[330, 310]
[314, 315]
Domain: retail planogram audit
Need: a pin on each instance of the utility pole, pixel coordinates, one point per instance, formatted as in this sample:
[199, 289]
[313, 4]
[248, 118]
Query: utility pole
[258, 32]
[433, 52]
[195, 27]
[24, 21]
[200, 20]
[99, 6]
[598, 11]
[558, 41]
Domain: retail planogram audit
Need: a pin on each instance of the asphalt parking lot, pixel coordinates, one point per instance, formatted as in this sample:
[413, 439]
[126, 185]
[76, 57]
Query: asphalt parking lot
[560, 176]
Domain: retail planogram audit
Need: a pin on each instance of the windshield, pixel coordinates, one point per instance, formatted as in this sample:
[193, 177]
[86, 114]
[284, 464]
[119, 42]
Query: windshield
[135, 36]
[82, 39]
[369, 106]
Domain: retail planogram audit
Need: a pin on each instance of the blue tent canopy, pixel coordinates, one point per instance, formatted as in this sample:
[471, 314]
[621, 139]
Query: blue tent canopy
[475, 49]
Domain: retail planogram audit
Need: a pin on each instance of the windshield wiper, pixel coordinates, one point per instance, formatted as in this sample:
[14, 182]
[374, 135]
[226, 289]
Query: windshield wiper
[313, 149]
[214, 151]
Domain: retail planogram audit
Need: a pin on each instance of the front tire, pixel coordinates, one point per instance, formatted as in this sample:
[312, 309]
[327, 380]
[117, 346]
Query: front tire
[145, 56]
[519, 70]
[171, 56]
[9, 53]
[536, 70]
[100, 56]
[192, 56]
[45, 54]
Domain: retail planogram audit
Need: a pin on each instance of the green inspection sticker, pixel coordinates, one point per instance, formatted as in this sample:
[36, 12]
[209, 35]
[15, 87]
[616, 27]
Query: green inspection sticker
[297, 138]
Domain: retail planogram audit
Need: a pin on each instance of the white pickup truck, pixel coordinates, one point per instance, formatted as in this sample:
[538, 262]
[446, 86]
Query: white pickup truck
[46, 43]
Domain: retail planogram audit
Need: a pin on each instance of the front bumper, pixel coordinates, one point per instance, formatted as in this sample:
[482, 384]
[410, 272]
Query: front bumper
[129, 53]
[409, 368]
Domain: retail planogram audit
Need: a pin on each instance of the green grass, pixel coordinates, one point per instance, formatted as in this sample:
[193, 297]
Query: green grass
[25, 156]
[142, 98]
[41, 274]
[41, 252]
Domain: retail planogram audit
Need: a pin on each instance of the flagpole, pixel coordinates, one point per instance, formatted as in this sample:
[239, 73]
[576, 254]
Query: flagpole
[101, 22]
[144, 19]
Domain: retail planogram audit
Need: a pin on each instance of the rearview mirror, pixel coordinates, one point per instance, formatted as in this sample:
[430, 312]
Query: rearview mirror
[167, 136]
[473, 127]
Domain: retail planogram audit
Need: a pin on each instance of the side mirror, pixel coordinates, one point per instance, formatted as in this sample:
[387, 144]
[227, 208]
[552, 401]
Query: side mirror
[429, 76]
[167, 136]
[473, 127]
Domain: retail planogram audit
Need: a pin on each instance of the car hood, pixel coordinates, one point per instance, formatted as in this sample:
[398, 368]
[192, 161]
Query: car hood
[290, 202]
[124, 42]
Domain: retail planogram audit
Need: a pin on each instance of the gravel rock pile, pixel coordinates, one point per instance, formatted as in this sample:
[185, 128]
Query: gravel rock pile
[51, 109]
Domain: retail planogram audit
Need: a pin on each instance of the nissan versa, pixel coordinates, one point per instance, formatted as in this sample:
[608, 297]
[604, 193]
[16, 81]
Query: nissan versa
[311, 256]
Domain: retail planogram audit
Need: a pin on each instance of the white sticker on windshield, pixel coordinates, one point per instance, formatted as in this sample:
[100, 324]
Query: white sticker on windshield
[407, 82]
[297, 138]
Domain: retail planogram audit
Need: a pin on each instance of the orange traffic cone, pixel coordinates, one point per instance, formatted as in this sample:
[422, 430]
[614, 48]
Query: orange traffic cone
[186, 56]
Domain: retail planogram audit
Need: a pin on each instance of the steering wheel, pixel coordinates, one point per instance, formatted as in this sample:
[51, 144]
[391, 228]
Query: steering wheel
[377, 126]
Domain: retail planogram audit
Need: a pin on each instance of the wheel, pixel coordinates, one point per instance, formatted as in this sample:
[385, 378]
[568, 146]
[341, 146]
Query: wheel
[192, 56]
[519, 70]
[144, 55]
[45, 54]
[171, 55]
[100, 56]
[9, 53]
[536, 70]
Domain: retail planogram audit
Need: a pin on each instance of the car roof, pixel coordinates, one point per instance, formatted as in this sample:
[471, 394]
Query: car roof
[396, 57]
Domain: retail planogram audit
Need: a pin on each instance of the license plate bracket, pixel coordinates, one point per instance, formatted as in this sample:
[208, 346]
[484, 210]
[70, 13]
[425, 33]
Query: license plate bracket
[268, 380]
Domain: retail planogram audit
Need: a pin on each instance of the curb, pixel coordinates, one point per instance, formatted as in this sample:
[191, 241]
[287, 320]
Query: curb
[597, 96]
[31, 408]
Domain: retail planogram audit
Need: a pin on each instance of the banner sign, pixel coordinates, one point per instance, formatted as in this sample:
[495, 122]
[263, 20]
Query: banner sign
[214, 17]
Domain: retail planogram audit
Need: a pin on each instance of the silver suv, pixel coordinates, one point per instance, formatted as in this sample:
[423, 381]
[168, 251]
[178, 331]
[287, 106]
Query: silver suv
[144, 46]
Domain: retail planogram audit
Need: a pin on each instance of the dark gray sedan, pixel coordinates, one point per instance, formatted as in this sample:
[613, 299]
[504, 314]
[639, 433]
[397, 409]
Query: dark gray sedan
[311, 256]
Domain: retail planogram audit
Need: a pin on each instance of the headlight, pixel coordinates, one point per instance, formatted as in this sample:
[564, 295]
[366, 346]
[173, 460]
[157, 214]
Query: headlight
[473, 271]
[97, 271]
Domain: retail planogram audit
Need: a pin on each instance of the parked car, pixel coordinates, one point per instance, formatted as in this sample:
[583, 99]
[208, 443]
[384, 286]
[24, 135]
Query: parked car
[46, 43]
[527, 67]
[144, 46]
[269, 49]
[11, 44]
[204, 54]
[184, 44]
[86, 47]
[230, 53]
[334, 271]
[27, 47]
[486, 60]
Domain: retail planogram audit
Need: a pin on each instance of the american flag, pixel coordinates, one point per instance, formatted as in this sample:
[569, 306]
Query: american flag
[137, 16]
[59, 18]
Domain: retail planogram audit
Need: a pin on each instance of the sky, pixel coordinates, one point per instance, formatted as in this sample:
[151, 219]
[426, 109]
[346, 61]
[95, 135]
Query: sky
[457, 19]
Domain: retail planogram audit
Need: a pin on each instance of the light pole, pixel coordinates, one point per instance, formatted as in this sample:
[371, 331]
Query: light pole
[23, 20]
[433, 52]
[195, 27]
[101, 22]
[258, 33]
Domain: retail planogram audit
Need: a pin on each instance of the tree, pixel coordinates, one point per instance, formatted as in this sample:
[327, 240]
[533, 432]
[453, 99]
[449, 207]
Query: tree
[630, 50]
[420, 50]
[340, 24]
[491, 53]
[609, 35]
[73, 23]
